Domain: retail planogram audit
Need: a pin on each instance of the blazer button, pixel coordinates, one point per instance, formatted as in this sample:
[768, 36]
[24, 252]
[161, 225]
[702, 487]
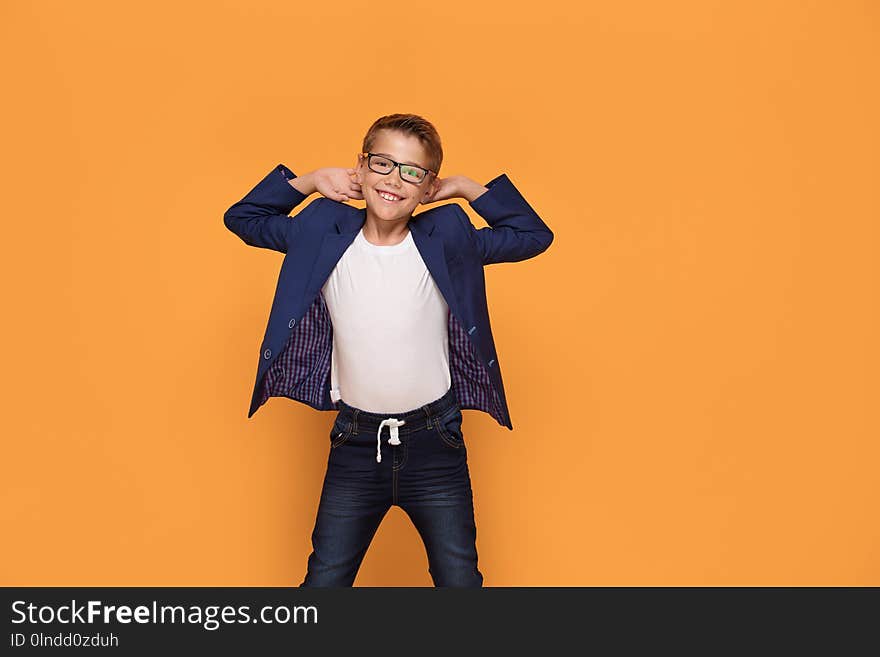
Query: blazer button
[291, 323]
[267, 353]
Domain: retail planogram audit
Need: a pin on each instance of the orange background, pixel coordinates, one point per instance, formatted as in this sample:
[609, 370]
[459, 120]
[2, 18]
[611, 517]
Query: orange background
[691, 368]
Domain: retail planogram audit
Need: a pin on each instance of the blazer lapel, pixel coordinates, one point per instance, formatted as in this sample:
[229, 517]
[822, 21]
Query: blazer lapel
[432, 252]
[333, 245]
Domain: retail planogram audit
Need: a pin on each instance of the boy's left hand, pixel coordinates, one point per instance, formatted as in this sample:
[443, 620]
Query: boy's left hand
[456, 187]
[446, 188]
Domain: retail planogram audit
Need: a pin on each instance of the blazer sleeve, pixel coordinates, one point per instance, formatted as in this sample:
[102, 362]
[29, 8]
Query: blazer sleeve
[261, 218]
[515, 230]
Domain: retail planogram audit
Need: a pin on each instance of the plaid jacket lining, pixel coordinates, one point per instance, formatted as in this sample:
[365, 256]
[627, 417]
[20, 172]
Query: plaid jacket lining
[302, 369]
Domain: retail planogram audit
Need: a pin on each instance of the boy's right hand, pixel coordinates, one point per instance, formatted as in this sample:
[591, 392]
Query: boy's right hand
[337, 183]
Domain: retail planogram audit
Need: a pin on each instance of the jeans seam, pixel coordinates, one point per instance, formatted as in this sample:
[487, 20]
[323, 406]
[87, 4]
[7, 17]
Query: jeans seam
[400, 465]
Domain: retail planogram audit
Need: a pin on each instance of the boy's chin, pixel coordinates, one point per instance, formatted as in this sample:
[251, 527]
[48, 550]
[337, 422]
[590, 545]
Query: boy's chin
[383, 212]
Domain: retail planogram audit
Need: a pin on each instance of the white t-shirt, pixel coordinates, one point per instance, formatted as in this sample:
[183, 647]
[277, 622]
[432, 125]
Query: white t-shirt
[390, 328]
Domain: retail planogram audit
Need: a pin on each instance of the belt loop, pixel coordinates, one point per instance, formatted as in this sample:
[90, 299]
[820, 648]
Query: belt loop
[427, 409]
[354, 421]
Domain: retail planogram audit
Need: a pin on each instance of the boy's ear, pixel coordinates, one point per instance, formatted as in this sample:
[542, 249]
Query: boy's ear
[432, 188]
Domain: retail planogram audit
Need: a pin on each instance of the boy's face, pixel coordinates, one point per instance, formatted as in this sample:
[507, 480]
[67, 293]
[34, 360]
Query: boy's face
[405, 149]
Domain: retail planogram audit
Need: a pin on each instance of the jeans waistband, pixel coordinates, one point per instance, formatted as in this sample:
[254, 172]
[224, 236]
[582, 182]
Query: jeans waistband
[417, 419]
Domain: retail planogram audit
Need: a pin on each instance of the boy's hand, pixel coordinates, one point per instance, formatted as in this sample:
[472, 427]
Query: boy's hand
[455, 187]
[444, 188]
[337, 183]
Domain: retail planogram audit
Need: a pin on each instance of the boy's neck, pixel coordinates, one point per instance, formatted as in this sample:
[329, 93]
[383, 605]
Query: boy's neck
[385, 233]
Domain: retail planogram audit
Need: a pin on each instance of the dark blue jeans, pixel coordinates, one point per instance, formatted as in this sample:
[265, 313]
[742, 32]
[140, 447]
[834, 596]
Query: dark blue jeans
[426, 475]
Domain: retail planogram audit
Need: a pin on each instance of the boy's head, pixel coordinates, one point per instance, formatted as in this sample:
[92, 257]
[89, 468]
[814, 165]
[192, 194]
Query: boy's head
[410, 141]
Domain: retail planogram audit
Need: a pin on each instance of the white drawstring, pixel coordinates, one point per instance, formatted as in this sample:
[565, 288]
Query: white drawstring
[392, 423]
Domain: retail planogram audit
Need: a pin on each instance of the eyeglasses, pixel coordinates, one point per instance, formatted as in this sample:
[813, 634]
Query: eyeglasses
[384, 165]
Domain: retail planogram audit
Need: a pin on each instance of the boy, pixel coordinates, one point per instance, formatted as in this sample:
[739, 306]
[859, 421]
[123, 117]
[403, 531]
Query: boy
[382, 316]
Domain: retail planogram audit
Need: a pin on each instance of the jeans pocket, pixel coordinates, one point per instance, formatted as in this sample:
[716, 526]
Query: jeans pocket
[449, 429]
[340, 431]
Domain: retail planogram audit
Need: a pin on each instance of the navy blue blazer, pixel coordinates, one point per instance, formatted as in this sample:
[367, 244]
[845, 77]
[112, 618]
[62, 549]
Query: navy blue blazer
[295, 353]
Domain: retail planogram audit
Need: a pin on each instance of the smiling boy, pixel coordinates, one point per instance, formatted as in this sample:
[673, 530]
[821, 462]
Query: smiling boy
[381, 315]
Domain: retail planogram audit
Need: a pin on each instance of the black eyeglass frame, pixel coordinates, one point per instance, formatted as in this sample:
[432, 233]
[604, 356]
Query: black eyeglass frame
[370, 157]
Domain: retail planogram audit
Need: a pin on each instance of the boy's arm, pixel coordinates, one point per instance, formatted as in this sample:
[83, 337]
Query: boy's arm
[261, 218]
[515, 231]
